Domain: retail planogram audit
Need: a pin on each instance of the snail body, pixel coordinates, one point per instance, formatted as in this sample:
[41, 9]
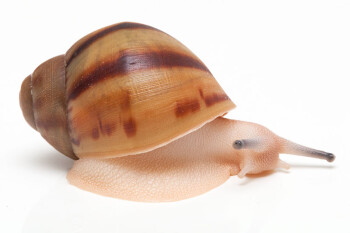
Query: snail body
[142, 117]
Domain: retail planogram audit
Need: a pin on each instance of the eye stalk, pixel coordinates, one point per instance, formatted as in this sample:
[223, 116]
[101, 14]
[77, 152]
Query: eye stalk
[293, 148]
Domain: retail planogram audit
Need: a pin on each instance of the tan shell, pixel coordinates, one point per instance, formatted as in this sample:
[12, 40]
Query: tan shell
[129, 88]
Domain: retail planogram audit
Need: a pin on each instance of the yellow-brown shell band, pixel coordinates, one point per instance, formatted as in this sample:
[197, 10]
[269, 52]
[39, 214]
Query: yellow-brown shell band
[130, 62]
[93, 37]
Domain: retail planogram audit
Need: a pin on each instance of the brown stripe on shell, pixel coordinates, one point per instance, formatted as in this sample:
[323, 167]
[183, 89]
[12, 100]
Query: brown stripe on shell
[106, 128]
[50, 123]
[125, 100]
[201, 93]
[75, 141]
[104, 32]
[130, 62]
[215, 98]
[95, 134]
[130, 127]
[100, 124]
[186, 106]
[109, 128]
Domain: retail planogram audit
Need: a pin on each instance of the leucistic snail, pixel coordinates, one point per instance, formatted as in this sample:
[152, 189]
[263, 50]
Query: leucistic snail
[143, 118]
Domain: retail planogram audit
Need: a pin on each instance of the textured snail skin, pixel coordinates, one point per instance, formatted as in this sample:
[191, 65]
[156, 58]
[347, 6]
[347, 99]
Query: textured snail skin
[187, 167]
[142, 117]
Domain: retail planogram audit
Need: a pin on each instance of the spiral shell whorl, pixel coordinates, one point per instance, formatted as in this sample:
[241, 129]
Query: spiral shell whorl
[43, 102]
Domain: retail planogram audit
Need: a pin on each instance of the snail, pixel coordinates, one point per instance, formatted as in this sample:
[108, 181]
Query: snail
[143, 118]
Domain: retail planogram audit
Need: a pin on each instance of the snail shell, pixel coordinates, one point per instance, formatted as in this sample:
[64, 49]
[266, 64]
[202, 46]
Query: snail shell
[124, 89]
[127, 92]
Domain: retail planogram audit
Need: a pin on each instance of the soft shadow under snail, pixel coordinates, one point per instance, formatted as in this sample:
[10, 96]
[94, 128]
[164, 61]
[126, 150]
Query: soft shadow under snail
[143, 118]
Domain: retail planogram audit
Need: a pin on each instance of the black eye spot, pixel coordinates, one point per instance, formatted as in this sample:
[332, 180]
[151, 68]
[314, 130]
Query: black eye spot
[238, 144]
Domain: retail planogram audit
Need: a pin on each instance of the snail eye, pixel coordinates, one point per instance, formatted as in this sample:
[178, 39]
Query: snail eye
[238, 144]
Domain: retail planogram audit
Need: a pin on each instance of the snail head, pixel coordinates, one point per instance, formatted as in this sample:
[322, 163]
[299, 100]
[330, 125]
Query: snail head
[258, 149]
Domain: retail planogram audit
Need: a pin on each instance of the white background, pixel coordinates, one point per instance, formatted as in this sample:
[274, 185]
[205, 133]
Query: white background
[286, 64]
